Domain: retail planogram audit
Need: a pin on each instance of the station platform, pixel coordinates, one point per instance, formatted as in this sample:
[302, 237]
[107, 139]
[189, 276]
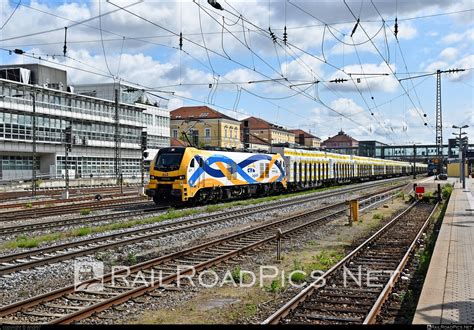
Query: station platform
[447, 296]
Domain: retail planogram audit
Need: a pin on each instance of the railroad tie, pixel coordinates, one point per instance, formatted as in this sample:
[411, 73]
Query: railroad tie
[328, 318]
[51, 305]
[43, 314]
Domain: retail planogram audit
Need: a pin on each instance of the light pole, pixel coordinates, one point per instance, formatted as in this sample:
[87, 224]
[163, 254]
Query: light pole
[462, 175]
[33, 95]
[414, 161]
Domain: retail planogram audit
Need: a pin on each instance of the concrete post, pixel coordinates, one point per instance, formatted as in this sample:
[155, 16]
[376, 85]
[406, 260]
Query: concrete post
[278, 237]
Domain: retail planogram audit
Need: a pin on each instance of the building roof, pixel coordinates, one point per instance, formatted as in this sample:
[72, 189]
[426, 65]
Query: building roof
[258, 123]
[341, 137]
[198, 112]
[307, 135]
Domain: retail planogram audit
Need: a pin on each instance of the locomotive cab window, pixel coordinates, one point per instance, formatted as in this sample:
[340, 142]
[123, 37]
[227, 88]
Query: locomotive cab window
[168, 159]
[192, 163]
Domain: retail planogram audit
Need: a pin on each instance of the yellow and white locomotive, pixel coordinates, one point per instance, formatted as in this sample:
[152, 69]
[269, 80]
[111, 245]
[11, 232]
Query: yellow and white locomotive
[186, 175]
[189, 175]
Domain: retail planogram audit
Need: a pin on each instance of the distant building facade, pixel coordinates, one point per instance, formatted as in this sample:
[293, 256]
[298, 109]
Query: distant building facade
[263, 134]
[203, 126]
[156, 116]
[306, 139]
[341, 140]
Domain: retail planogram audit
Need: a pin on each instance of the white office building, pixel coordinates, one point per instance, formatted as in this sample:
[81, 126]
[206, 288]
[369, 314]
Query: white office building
[92, 118]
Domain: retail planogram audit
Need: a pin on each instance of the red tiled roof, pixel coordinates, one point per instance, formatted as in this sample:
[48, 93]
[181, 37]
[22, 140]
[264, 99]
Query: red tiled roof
[307, 135]
[258, 123]
[340, 137]
[198, 112]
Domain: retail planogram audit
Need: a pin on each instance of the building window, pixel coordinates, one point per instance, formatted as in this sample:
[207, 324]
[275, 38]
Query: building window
[207, 132]
[175, 133]
[225, 131]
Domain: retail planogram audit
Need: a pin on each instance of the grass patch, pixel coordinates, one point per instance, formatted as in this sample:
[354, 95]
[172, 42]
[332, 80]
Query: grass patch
[28, 205]
[298, 276]
[250, 310]
[132, 258]
[377, 216]
[27, 243]
[238, 277]
[83, 231]
[86, 211]
[325, 260]
[275, 287]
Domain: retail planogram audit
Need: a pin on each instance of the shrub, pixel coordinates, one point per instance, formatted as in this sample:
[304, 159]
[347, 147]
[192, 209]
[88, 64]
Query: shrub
[29, 205]
[446, 191]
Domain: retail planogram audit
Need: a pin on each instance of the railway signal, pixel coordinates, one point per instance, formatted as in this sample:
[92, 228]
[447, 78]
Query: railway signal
[144, 141]
[68, 138]
[419, 191]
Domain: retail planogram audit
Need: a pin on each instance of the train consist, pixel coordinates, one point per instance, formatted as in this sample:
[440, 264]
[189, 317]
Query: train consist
[186, 175]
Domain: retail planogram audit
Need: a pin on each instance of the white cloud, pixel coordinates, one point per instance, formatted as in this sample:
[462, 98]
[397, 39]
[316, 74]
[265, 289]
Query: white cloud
[305, 68]
[449, 54]
[346, 107]
[457, 37]
[407, 31]
[437, 65]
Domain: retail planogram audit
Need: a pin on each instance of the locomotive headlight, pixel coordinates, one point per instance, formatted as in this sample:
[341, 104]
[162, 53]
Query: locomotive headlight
[152, 177]
[181, 177]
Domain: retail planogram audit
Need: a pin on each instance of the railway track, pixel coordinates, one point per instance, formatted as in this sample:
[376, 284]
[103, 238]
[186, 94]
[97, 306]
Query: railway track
[70, 304]
[70, 208]
[4, 196]
[28, 228]
[21, 205]
[354, 290]
[6, 230]
[43, 256]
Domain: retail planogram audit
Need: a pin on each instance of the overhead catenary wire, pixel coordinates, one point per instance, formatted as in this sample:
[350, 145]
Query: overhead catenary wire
[166, 29]
[315, 94]
[11, 15]
[302, 92]
[102, 40]
[385, 61]
[75, 23]
[247, 29]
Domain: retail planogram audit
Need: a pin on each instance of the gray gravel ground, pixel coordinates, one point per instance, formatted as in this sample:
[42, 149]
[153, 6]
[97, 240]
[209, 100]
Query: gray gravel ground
[28, 283]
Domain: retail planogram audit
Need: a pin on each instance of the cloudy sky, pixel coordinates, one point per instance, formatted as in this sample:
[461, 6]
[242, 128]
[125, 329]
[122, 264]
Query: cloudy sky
[327, 74]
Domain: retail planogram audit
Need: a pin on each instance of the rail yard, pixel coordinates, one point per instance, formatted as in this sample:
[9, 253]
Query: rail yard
[161, 247]
[213, 162]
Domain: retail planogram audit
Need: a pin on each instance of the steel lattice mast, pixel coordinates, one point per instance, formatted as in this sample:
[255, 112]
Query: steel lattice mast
[439, 123]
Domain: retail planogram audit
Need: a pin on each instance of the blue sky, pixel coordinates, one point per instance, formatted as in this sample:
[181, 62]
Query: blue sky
[139, 43]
